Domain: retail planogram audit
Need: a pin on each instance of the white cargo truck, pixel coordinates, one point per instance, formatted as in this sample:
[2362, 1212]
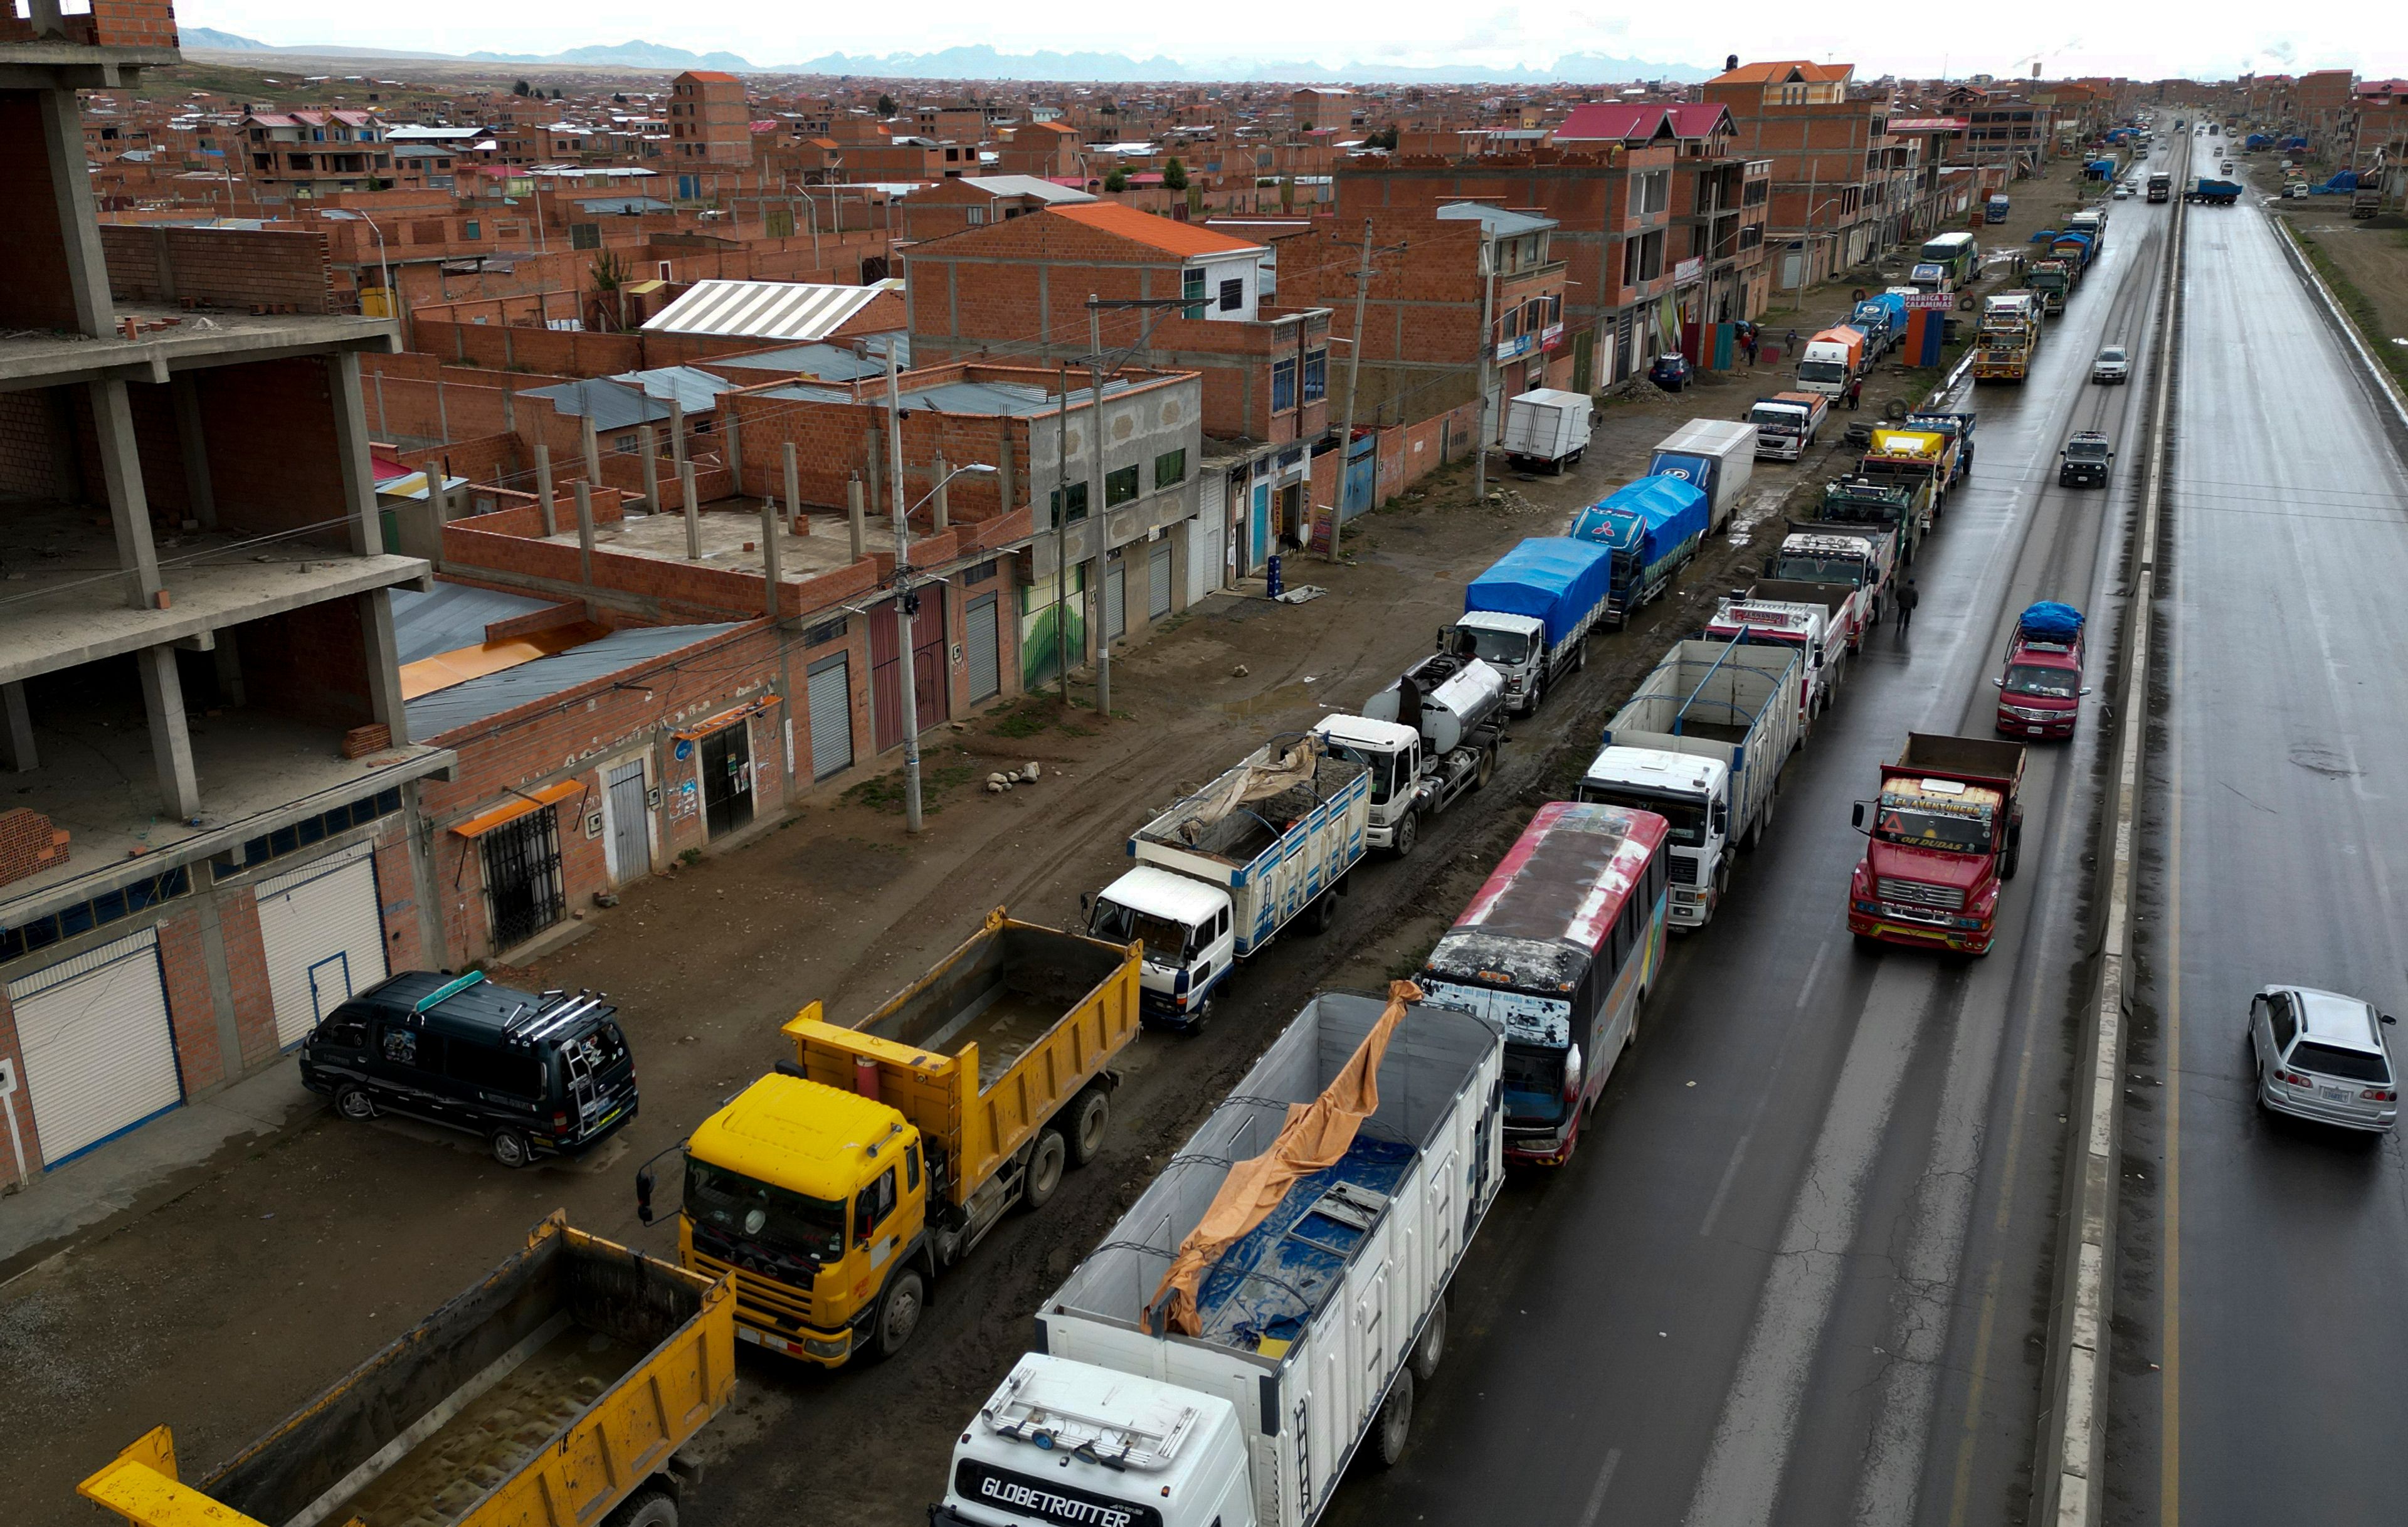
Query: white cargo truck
[1701, 745]
[1224, 870]
[1546, 428]
[1717, 456]
[1427, 740]
[1311, 1330]
[1803, 627]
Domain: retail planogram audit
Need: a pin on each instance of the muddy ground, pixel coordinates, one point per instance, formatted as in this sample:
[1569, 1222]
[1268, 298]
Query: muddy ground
[278, 1266]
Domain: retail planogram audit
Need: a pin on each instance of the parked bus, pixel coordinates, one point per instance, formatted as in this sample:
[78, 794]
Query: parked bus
[1948, 262]
[1560, 947]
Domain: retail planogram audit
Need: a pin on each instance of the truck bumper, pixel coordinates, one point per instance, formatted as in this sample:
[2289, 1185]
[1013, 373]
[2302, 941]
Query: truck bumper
[1690, 914]
[828, 1349]
[1553, 1149]
[1963, 941]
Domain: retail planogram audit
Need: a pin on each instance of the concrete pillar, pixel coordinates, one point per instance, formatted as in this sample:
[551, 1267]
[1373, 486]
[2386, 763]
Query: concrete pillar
[693, 510]
[227, 655]
[543, 487]
[592, 450]
[943, 517]
[79, 218]
[351, 451]
[854, 500]
[129, 508]
[677, 434]
[769, 569]
[585, 534]
[734, 451]
[171, 745]
[648, 446]
[793, 490]
[191, 444]
[17, 749]
[383, 652]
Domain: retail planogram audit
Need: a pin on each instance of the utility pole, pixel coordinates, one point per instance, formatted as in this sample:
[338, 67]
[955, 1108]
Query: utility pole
[1062, 536]
[1487, 350]
[1806, 243]
[1353, 371]
[1095, 505]
[904, 602]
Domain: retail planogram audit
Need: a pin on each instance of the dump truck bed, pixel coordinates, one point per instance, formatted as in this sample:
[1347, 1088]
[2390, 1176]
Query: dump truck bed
[1976, 760]
[980, 1052]
[547, 1393]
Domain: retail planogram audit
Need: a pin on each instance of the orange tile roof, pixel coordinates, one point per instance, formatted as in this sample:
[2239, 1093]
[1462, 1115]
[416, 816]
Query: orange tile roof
[1807, 72]
[1182, 239]
[715, 76]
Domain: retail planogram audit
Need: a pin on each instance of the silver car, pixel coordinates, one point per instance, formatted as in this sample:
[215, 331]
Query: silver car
[2322, 1056]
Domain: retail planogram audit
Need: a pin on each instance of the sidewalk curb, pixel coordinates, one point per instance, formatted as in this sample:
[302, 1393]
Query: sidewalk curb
[2382, 377]
[2069, 1488]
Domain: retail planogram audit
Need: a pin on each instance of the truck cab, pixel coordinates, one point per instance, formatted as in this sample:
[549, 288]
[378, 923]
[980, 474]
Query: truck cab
[1393, 754]
[1185, 926]
[1942, 835]
[1514, 645]
[1846, 561]
[1957, 426]
[1419, 766]
[1806, 629]
[1692, 796]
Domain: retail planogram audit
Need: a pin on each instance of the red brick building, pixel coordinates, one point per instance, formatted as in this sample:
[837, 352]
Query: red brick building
[1830, 149]
[709, 120]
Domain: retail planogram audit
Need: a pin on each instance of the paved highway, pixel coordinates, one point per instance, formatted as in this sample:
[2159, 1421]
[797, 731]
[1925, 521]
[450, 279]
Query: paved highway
[2262, 1259]
[1797, 1271]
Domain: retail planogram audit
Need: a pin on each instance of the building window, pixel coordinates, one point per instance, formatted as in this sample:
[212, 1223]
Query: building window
[1077, 510]
[471, 230]
[295, 835]
[1170, 469]
[1119, 486]
[1317, 375]
[1191, 286]
[1233, 295]
[979, 573]
[974, 216]
[824, 632]
[1282, 387]
[83, 917]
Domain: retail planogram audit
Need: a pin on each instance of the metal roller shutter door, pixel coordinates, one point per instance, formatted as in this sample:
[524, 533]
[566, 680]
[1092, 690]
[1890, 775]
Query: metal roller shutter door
[1115, 598]
[1157, 589]
[986, 668]
[99, 1054]
[1207, 544]
[322, 937]
[831, 718]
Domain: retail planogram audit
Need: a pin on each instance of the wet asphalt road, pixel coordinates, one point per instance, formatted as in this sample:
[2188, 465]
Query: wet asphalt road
[1797, 1271]
[2263, 1273]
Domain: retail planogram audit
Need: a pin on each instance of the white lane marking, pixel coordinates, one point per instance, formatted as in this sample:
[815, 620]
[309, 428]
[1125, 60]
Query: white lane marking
[1755, 1115]
[1597, 1495]
[1759, 1420]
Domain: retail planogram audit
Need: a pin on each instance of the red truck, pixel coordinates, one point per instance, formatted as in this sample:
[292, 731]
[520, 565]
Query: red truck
[1946, 830]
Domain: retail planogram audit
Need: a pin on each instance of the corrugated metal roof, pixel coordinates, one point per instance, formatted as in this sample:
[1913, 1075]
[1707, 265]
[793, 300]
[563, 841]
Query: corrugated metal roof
[1025, 185]
[1499, 223]
[447, 709]
[762, 310]
[452, 616]
[615, 405]
[695, 390]
[828, 362]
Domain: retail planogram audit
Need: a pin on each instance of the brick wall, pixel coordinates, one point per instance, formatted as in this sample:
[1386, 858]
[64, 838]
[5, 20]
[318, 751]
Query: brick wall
[310, 664]
[285, 270]
[35, 461]
[37, 294]
[246, 958]
[273, 461]
[132, 23]
[191, 1011]
[29, 843]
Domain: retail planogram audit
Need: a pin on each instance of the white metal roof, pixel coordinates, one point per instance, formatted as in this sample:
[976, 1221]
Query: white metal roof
[1150, 889]
[762, 310]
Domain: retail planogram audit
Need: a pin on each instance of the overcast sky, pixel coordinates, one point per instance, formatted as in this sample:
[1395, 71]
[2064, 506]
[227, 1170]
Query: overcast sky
[2152, 38]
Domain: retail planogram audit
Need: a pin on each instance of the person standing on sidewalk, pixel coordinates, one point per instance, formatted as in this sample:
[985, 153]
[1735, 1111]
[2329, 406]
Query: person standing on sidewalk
[1908, 598]
[1856, 394]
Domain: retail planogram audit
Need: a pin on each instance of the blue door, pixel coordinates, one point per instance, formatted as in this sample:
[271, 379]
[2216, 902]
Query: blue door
[1362, 474]
[1262, 536]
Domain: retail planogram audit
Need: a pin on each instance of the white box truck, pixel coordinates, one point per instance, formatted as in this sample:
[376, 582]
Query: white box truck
[1718, 455]
[1701, 745]
[1220, 873]
[1546, 428]
[1310, 1331]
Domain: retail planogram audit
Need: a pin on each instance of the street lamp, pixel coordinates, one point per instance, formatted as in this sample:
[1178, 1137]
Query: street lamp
[384, 269]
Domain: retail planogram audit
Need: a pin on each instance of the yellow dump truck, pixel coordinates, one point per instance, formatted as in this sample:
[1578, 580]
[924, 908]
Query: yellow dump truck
[555, 1392]
[838, 1187]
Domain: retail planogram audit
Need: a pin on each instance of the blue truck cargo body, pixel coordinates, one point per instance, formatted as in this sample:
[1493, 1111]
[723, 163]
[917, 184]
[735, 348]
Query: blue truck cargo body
[1653, 526]
[1555, 580]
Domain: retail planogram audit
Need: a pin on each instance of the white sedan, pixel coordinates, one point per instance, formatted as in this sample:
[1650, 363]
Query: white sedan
[2112, 365]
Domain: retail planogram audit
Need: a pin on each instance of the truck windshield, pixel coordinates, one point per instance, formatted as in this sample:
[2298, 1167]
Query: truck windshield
[736, 1205]
[1805, 568]
[1165, 940]
[1917, 828]
[1504, 648]
[1687, 816]
[2033, 678]
[1383, 767]
[1534, 1084]
[1822, 370]
[1779, 420]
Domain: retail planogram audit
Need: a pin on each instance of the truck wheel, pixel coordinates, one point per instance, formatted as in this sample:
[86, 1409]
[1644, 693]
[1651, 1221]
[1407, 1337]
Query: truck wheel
[899, 1309]
[353, 1103]
[510, 1148]
[1432, 1345]
[1091, 1116]
[1486, 769]
[1321, 912]
[1579, 657]
[2007, 866]
[1407, 830]
[1394, 1425]
[1045, 1163]
[646, 1509]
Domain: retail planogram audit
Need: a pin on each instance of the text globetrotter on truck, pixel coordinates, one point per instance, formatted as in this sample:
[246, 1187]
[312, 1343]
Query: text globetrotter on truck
[1560, 947]
[1267, 1310]
[1654, 527]
[1945, 831]
[835, 1190]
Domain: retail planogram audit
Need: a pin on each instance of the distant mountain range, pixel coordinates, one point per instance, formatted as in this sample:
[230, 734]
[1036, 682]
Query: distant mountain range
[981, 62]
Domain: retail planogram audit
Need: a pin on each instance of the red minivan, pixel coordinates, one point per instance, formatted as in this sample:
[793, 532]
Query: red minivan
[2039, 693]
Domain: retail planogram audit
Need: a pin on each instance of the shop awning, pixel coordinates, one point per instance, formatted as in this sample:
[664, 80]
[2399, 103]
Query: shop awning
[517, 806]
[725, 719]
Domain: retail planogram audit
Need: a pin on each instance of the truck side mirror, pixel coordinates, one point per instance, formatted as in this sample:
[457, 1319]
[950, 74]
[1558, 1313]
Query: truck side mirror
[2085, 690]
[1857, 816]
[2001, 683]
[1722, 817]
[1086, 903]
[644, 1195]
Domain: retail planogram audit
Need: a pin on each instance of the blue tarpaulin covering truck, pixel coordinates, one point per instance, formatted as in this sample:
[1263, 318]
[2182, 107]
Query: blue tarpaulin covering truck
[1653, 526]
[1883, 318]
[1528, 616]
[2208, 191]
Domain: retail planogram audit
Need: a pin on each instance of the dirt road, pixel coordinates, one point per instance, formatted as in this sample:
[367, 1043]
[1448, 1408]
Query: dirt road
[282, 1264]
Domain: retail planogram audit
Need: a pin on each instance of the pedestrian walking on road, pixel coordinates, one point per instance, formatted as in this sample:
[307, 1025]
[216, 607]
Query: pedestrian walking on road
[1751, 347]
[1789, 345]
[1856, 394]
[1908, 598]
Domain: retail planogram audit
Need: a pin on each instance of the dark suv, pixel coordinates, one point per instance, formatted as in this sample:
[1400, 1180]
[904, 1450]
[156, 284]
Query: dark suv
[536, 1074]
[2085, 461]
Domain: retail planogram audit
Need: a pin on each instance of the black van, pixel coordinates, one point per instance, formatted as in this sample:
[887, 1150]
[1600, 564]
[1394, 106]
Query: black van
[534, 1074]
